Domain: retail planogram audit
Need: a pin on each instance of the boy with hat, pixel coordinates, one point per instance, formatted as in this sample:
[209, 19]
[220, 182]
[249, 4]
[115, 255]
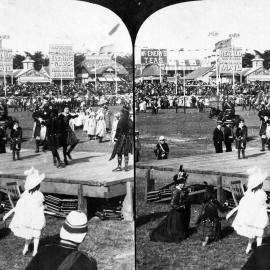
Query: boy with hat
[15, 140]
[218, 137]
[65, 254]
[162, 149]
[241, 138]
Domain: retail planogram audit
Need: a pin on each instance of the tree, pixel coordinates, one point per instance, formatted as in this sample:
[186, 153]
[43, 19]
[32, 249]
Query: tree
[78, 58]
[127, 62]
[17, 61]
[246, 60]
[266, 57]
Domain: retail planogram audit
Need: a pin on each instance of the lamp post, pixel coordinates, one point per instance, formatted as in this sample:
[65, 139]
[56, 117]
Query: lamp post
[3, 62]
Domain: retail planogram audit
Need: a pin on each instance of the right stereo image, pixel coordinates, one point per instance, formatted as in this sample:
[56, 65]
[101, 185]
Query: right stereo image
[202, 137]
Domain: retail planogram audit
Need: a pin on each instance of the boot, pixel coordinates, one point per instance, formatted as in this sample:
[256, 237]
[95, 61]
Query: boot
[18, 155]
[13, 155]
[126, 163]
[37, 146]
[243, 153]
[54, 161]
[58, 163]
[239, 153]
[119, 167]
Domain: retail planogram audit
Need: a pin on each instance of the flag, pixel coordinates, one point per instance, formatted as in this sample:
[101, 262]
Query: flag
[223, 44]
[107, 49]
[114, 29]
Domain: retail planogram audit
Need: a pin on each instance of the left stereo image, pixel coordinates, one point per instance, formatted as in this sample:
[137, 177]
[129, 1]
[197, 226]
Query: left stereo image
[66, 137]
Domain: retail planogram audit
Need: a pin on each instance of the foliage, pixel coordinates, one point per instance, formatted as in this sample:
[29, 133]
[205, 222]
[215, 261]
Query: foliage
[39, 58]
[246, 60]
[17, 61]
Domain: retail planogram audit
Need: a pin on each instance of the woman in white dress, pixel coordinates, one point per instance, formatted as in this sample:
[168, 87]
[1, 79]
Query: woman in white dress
[114, 125]
[101, 126]
[91, 125]
[252, 218]
[29, 218]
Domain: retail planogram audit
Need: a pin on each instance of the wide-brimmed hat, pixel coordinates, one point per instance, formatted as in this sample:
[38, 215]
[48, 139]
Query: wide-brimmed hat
[229, 121]
[256, 177]
[33, 178]
[75, 227]
[161, 138]
[219, 122]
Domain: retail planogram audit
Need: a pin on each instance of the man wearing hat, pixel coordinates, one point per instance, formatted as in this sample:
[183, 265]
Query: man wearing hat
[162, 149]
[65, 254]
[228, 135]
[263, 118]
[138, 146]
[218, 137]
[123, 139]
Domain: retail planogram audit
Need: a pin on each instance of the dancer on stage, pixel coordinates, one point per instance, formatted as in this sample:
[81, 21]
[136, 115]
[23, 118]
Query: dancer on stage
[69, 137]
[123, 139]
[55, 138]
[175, 227]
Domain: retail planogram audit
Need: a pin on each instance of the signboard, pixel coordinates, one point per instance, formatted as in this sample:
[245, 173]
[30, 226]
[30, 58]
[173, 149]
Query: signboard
[61, 61]
[6, 62]
[153, 56]
[230, 60]
[98, 61]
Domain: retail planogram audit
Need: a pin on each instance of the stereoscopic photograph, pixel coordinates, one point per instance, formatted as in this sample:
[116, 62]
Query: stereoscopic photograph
[202, 137]
[66, 137]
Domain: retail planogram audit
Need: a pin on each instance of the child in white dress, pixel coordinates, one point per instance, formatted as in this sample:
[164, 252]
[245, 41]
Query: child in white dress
[252, 218]
[29, 218]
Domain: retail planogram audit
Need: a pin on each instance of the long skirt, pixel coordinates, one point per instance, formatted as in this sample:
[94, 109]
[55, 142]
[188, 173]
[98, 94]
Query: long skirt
[174, 228]
[71, 137]
[210, 228]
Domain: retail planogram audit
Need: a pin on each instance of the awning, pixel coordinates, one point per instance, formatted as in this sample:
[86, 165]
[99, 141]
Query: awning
[101, 79]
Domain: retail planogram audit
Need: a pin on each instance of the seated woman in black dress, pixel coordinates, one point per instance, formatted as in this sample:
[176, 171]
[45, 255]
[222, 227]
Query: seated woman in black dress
[175, 226]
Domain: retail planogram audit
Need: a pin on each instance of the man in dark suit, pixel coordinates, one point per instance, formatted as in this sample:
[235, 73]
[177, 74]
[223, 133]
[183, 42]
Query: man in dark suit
[218, 137]
[228, 135]
[259, 259]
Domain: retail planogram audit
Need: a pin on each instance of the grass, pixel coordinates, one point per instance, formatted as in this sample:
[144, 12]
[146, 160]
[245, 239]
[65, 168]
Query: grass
[111, 243]
[187, 134]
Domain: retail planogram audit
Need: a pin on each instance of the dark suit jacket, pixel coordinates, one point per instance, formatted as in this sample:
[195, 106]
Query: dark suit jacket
[259, 259]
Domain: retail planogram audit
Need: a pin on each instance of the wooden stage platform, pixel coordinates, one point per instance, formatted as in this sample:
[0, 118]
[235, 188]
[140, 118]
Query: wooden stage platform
[216, 169]
[88, 175]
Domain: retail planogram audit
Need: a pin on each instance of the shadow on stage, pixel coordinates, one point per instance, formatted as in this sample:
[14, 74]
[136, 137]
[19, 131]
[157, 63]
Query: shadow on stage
[255, 155]
[140, 221]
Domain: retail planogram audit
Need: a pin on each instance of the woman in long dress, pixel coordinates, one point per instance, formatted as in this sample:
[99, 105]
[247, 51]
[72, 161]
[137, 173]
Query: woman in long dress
[175, 227]
[252, 217]
[91, 125]
[101, 127]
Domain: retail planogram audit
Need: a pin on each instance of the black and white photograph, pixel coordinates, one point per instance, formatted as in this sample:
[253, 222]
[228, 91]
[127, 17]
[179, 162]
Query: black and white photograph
[202, 80]
[66, 137]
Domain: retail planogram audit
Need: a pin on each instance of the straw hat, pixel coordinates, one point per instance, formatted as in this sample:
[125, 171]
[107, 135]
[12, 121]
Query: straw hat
[75, 227]
[161, 138]
[33, 178]
[256, 177]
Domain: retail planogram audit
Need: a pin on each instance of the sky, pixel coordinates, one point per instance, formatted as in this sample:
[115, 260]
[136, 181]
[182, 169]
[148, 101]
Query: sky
[35, 24]
[187, 25]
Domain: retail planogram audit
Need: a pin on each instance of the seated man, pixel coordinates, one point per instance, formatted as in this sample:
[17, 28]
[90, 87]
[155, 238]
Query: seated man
[65, 254]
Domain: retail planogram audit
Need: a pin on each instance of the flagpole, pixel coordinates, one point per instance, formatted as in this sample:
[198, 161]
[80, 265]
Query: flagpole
[116, 90]
[159, 66]
[175, 78]
[95, 74]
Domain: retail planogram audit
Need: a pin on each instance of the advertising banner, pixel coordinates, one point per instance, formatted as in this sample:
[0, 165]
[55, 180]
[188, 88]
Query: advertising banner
[98, 61]
[6, 62]
[230, 60]
[61, 61]
[153, 56]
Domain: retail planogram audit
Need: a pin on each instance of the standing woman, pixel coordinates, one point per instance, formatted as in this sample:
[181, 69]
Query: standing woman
[69, 137]
[101, 126]
[241, 138]
[91, 125]
[174, 228]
